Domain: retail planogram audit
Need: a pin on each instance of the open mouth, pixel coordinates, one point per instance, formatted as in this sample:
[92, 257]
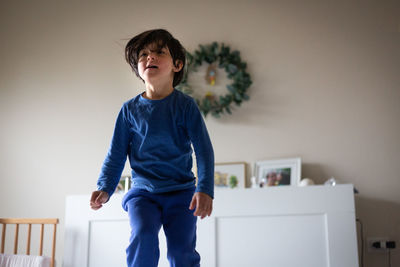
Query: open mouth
[152, 67]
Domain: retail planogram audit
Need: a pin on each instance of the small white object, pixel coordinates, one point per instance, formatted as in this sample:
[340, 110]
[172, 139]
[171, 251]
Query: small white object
[254, 182]
[263, 182]
[306, 182]
[332, 181]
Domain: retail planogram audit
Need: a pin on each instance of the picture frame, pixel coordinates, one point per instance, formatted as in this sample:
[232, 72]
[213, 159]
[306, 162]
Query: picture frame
[230, 175]
[124, 184]
[278, 172]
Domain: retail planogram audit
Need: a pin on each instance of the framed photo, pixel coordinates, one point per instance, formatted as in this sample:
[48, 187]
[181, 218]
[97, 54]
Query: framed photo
[230, 175]
[278, 172]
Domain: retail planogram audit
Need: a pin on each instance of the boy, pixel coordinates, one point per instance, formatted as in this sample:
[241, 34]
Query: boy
[155, 130]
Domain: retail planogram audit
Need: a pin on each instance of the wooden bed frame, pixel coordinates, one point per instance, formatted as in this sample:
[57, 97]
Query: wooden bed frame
[29, 222]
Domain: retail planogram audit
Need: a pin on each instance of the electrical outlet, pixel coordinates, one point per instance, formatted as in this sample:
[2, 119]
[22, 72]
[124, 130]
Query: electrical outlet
[372, 240]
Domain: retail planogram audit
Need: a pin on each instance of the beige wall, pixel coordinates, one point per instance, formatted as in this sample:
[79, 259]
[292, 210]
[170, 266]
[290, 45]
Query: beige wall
[326, 88]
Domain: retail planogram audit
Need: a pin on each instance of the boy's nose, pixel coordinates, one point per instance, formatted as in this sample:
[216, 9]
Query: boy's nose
[151, 55]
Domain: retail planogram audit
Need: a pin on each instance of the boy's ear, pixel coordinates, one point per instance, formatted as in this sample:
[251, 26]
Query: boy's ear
[178, 65]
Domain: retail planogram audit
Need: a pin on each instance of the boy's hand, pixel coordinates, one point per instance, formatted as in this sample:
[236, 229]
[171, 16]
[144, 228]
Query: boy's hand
[203, 204]
[98, 199]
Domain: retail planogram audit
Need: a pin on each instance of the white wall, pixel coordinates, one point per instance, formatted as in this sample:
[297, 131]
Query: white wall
[325, 88]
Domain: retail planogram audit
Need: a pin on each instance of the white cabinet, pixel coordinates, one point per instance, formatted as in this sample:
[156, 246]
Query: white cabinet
[283, 226]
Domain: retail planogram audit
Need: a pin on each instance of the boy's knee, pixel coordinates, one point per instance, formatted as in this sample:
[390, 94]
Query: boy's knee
[144, 232]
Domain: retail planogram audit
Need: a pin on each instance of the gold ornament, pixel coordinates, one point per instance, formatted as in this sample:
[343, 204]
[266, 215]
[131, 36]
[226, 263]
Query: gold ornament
[211, 74]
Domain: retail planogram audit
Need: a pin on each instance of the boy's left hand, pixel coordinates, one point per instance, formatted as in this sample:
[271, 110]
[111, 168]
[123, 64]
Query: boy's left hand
[203, 204]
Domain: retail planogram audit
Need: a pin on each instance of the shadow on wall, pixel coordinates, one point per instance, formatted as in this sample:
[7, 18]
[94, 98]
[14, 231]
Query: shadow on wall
[380, 219]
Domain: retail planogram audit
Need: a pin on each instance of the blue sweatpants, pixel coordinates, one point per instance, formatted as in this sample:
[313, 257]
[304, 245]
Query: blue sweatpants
[147, 213]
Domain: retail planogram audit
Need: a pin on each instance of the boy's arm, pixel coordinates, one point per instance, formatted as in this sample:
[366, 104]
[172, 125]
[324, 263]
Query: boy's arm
[115, 160]
[203, 149]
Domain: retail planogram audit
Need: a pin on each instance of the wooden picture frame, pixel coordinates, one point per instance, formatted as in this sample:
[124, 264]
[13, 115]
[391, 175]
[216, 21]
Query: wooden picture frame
[230, 175]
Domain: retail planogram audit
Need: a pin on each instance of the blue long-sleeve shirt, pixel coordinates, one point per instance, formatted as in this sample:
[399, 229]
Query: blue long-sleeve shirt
[157, 135]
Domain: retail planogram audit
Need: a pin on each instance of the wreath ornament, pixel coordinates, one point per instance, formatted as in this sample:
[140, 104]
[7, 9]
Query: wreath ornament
[217, 56]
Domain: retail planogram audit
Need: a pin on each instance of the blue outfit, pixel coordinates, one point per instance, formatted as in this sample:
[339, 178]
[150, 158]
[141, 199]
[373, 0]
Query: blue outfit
[147, 213]
[157, 136]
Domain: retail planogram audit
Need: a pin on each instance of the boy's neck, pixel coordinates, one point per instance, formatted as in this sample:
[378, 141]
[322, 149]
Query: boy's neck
[157, 93]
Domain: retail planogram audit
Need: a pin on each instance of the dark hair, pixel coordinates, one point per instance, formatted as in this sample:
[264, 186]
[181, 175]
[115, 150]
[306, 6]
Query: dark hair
[163, 39]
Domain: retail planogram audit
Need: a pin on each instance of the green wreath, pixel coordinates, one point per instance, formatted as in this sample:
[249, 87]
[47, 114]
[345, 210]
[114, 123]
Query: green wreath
[233, 66]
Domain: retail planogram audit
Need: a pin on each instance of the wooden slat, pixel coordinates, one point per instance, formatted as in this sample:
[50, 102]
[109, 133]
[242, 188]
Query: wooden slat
[53, 252]
[28, 241]
[41, 240]
[16, 239]
[3, 238]
[29, 221]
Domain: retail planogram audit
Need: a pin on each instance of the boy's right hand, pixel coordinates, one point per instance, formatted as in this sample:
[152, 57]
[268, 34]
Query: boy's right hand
[98, 199]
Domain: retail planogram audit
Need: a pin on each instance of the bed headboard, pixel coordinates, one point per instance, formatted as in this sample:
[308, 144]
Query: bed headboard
[29, 222]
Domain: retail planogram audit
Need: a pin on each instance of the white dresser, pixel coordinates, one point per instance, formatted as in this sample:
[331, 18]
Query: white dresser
[284, 226]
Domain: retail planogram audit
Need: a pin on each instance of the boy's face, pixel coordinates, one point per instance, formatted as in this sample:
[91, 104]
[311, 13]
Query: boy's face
[155, 65]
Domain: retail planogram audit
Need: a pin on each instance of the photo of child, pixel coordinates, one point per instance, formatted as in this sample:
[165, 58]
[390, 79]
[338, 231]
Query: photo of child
[277, 172]
[274, 177]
